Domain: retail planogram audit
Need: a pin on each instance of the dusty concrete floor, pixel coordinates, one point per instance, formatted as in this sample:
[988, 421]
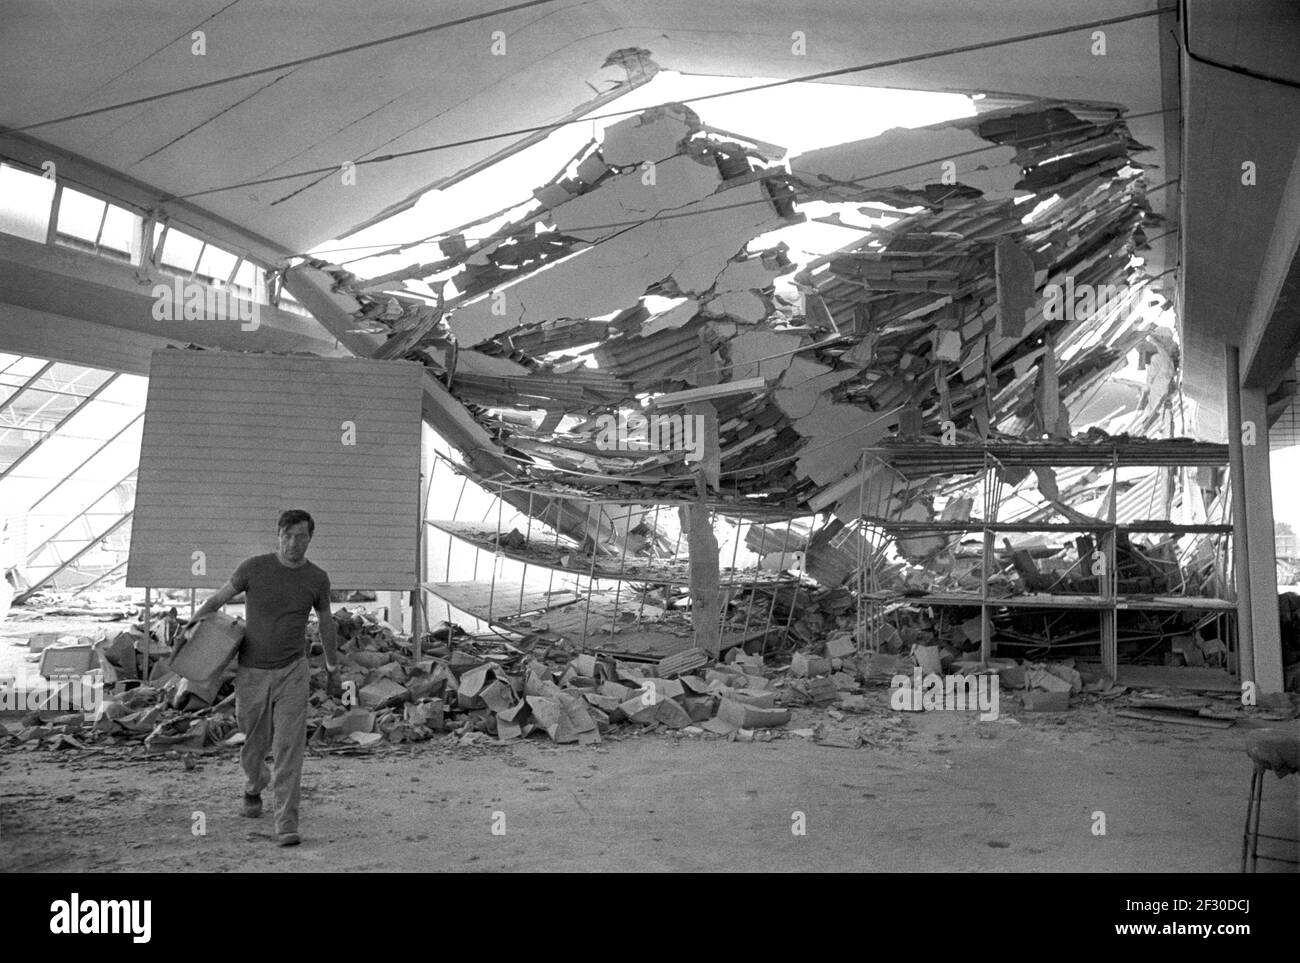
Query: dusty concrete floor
[932, 792]
[936, 792]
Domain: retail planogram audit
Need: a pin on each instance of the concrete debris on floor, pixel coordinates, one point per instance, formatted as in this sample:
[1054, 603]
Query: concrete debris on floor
[486, 691]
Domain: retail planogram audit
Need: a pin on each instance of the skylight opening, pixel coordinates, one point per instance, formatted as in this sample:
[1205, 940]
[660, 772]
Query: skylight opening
[797, 117]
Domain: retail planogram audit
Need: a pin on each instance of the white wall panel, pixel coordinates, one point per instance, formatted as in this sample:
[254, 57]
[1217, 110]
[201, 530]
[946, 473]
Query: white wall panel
[231, 440]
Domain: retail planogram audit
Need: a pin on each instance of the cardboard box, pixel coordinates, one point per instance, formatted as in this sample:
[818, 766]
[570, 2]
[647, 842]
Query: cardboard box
[746, 716]
[382, 692]
[74, 659]
[840, 647]
[209, 647]
[121, 654]
[354, 720]
[821, 690]
[429, 714]
[1046, 701]
[41, 641]
[805, 666]
[206, 692]
[763, 698]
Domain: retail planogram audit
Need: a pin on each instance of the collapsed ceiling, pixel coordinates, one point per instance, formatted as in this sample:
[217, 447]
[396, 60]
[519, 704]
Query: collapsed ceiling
[633, 285]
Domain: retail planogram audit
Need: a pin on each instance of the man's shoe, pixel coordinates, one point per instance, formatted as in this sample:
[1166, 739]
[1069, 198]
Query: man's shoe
[252, 806]
[288, 839]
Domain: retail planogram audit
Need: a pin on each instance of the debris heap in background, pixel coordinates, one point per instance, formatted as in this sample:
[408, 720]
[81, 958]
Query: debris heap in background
[488, 691]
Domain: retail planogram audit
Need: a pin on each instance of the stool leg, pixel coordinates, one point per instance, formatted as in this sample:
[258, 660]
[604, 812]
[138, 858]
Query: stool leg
[1250, 811]
[1254, 832]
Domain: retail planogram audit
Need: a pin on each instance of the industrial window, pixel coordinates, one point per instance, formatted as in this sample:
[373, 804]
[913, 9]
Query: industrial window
[208, 263]
[180, 252]
[46, 401]
[69, 444]
[1285, 432]
[84, 222]
[250, 282]
[120, 236]
[80, 218]
[91, 224]
[25, 201]
[215, 265]
[15, 372]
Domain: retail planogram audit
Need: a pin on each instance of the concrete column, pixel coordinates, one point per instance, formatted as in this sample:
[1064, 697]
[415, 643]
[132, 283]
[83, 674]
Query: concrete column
[706, 592]
[1240, 531]
[397, 603]
[1257, 485]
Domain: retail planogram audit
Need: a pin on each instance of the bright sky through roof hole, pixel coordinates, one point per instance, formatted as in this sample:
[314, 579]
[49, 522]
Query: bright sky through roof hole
[799, 117]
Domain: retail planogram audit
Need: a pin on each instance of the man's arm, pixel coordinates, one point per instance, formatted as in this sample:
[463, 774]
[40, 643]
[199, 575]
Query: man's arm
[328, 634]
[219, 598]
[329, 638]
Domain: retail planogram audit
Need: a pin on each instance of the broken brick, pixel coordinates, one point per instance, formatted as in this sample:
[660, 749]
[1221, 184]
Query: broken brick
[840, 647]
[429, 714]
[354, 720]
[803, 665]
[751, 717]
[382, 692]
[762, 698]
[671, 714]
[1035, 701]
[639, 710]
[497, 695]
[698, 707]
[1042, 679]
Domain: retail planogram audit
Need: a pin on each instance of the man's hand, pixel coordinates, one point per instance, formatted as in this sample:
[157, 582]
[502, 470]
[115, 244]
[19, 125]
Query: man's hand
[218, 599]
[334, 683]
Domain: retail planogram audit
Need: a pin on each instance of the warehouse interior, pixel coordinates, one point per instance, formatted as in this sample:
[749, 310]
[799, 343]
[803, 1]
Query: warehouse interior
[749, 362]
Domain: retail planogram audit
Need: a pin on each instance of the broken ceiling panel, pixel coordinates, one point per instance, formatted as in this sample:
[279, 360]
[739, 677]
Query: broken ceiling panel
[689, 249]
[597, 215]
[942, 154]
[626, 282]
[760, 352]
[653, 135]
[737, 292]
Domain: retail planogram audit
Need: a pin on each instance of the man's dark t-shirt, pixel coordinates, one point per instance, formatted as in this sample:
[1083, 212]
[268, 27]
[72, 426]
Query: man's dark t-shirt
[279, 599]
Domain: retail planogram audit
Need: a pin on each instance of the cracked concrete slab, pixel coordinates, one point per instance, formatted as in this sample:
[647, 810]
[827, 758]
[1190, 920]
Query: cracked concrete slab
[678, 182]
[804, 383]
[762, 353]
[616, 272]
[651, 136]
[914, 158]
[738, 290]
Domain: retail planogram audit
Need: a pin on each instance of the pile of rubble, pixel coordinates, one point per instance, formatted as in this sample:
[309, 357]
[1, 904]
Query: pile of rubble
[474, 690]
[109, 690]
[470, 686]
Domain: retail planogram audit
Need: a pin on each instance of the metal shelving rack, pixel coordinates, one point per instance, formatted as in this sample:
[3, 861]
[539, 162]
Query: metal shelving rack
[988, 460]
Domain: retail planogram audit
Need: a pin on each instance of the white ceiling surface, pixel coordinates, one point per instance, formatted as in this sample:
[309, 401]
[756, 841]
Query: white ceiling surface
[1232, 119]
[61, 57]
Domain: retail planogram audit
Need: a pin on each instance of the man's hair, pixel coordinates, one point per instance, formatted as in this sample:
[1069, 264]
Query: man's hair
[292, 517]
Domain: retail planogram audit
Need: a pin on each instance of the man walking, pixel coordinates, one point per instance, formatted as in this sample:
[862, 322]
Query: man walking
[271, 683]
